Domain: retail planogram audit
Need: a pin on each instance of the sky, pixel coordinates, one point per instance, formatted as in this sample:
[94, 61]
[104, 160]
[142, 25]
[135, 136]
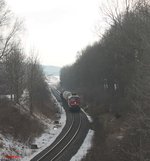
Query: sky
[57, 29]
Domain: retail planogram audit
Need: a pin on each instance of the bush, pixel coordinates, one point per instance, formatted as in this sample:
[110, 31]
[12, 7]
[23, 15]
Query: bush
[20, 126]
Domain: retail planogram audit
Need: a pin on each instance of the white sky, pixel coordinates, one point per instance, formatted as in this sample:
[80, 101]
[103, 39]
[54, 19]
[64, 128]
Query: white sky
[57, 29]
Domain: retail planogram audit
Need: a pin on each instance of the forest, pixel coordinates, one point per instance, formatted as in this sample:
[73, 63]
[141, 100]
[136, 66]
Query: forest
[112, 77]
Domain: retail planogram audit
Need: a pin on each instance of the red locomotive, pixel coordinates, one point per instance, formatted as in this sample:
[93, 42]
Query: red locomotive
[72, 100]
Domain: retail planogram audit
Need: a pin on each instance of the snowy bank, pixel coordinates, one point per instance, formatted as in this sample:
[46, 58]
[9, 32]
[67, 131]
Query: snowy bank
[11, 148]
[50, 134]
[85, 147]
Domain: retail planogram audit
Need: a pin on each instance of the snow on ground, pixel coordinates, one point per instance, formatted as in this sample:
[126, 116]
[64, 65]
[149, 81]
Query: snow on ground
[9, 147]
[52, 80]
[87, 144]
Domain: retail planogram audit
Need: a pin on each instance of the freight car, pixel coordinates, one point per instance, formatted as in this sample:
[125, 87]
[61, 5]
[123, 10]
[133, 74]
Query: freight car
[72, 100]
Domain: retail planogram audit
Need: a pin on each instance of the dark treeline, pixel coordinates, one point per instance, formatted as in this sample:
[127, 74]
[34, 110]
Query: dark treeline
[113, 76]
[109, 67]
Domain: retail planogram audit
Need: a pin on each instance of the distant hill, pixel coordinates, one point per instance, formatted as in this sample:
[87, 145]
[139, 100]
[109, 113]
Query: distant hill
[51, 70]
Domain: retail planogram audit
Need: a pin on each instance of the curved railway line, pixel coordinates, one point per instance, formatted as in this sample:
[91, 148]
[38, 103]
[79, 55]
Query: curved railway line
[69, 140]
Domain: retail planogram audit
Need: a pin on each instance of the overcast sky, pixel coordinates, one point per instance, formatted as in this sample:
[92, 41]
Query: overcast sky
[57, 29]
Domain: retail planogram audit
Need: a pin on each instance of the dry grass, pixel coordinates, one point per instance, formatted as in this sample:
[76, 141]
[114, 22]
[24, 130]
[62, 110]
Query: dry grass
[124, 138]
[20, 126]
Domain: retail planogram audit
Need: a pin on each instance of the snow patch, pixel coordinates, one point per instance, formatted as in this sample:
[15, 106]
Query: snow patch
[52, 80]
[88, 116]
[10, 147]
[85, 147]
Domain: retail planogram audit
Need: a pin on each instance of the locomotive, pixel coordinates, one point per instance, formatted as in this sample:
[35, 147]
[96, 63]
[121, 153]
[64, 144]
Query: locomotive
[71, 99]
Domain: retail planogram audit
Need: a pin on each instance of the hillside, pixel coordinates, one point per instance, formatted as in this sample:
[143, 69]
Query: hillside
[112, 78]
[51, 70]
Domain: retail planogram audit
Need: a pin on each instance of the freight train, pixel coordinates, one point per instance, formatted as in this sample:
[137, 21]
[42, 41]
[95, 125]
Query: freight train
[72, 100]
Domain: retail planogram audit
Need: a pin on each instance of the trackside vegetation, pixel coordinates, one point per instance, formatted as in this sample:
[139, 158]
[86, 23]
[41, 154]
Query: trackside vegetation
[113, 78]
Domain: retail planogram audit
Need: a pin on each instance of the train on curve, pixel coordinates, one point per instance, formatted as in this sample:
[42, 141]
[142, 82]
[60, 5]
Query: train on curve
[72, 100]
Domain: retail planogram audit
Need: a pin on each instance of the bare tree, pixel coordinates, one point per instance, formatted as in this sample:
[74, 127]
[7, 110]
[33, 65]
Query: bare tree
[9, 27]
[114, 10]
[8, 41]
[39, 94]
[35, 80]
[14, 63]
[31, 68]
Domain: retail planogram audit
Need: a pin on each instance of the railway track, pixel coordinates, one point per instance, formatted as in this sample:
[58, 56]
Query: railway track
[69, 140]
